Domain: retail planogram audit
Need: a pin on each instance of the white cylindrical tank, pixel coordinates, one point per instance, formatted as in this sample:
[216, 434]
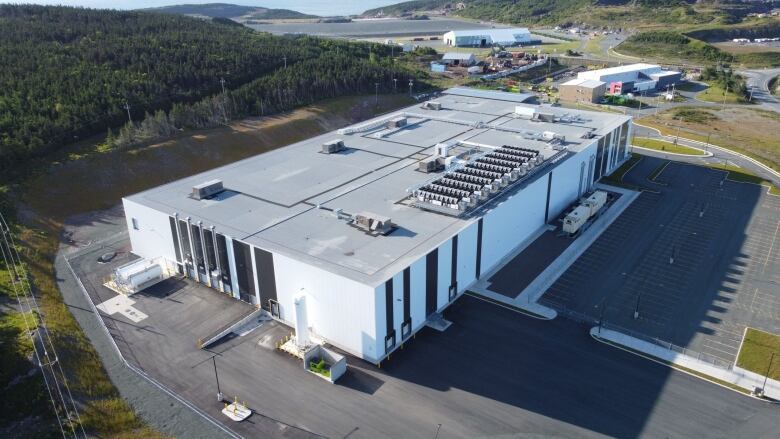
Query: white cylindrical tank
[301, 323]
[142, 277]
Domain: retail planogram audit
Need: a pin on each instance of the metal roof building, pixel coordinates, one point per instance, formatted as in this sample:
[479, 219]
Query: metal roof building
[383, 224]
[489, 37]
[641, 76]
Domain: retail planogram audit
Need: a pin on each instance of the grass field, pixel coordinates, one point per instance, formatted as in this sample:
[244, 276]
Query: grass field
[715, 93]
[756, 351]
[750, 131]
[46, 198]
[660, 145]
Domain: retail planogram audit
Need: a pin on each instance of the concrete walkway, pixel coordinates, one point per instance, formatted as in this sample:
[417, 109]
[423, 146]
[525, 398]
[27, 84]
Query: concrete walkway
[528, 297]
[736, 376]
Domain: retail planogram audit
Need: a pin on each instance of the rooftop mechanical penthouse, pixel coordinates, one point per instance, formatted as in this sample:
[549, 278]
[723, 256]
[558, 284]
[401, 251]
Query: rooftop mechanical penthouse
[381, 225]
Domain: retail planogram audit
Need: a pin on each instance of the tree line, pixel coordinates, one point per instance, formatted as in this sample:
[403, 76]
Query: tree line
[68, 73]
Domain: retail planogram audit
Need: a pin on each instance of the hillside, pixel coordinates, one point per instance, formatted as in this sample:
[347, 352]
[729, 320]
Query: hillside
[673, 47]
[67, 72]
[612, 13]
[227, 10]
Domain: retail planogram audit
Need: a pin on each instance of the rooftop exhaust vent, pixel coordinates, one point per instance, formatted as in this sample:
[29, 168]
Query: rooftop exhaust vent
[543, 117]
[396, 122]
[207, 189]
[333, 146]
[431, 105]
[373, 223]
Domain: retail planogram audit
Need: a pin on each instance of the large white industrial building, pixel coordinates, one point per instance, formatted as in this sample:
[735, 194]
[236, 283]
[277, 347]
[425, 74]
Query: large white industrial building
[381, 225]
[634, 77]
[517, 36]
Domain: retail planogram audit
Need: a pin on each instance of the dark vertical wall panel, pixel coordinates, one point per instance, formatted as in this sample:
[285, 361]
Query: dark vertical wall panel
[547, 203]
[197, 249]
[454, 267]
[389, 305]
[208, 236]
[479, 247]
[224, 263]
[186, 252]
[266, 277]
[431, 281]
[246, 284]
[407, 293]
[174, 233]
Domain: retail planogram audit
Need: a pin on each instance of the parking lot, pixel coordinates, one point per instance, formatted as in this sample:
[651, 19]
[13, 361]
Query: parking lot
[493, 372]
[695, 263]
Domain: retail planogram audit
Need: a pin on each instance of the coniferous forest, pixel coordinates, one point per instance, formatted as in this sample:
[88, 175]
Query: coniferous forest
[68, 73]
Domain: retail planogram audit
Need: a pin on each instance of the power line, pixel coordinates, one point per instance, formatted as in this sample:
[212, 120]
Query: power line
[22, 279]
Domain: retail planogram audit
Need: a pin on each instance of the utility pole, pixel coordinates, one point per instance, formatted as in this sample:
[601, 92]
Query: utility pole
[127, 107]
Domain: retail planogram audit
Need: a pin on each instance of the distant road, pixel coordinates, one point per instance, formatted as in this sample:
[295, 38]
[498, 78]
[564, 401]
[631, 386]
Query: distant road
[759, 79]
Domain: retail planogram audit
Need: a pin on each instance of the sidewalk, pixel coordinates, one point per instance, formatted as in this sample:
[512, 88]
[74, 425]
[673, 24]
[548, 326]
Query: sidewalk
[735, 375]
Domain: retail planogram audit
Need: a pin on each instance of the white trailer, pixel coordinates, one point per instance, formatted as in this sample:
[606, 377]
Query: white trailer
[576, 219]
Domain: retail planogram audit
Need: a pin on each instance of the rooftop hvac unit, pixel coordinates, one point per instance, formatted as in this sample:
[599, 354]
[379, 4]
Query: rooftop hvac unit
[207, 189]
[527, 112]
[431, 105]
[333, 146]
[543, 117]
[588, 134]
[373, 223]
[431, 164]
[396, 122]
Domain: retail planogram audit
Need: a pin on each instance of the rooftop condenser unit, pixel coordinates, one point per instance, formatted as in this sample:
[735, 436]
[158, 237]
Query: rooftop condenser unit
[333, 146]
[373, 223]
[207, 189]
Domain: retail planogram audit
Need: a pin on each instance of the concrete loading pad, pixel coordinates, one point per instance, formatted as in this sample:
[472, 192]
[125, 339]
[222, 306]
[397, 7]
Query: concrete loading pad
[722, 242]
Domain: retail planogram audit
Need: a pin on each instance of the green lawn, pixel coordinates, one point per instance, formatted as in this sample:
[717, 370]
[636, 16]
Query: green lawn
[744, 176]
[715, 94]
[756, 351]
[660, 145]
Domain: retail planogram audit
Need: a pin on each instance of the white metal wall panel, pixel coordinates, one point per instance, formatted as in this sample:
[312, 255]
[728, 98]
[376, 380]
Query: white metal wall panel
[511, 222]
[153, 237]
[417, 293]
[467, 252]
[445, 274]
[565, 182]
[339, 309]
[398, 304]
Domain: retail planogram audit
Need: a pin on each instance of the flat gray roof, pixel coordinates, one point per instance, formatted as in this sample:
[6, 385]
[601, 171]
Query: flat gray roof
[271, 200]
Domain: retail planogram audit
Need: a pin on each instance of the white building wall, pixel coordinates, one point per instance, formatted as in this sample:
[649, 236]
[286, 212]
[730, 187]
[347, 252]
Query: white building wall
[511, 222]
[566, 181]
[339, 309]
[467, 261]
[153, 237]
[445, 275]
[417, 293]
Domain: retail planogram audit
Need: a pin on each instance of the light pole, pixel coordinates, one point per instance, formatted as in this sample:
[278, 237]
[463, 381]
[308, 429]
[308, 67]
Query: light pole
[768, 368]
[219, 392]
[411, 84]
[395, 85]
[636, 308]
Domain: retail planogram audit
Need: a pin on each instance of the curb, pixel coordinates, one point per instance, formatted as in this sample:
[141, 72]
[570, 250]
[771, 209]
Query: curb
[703, 376]
[721, 148]
[706, 154]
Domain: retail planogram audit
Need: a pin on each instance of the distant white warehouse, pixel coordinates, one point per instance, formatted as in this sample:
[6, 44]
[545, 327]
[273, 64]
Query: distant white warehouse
[367, 233]
[517, 36]
[634, 77]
